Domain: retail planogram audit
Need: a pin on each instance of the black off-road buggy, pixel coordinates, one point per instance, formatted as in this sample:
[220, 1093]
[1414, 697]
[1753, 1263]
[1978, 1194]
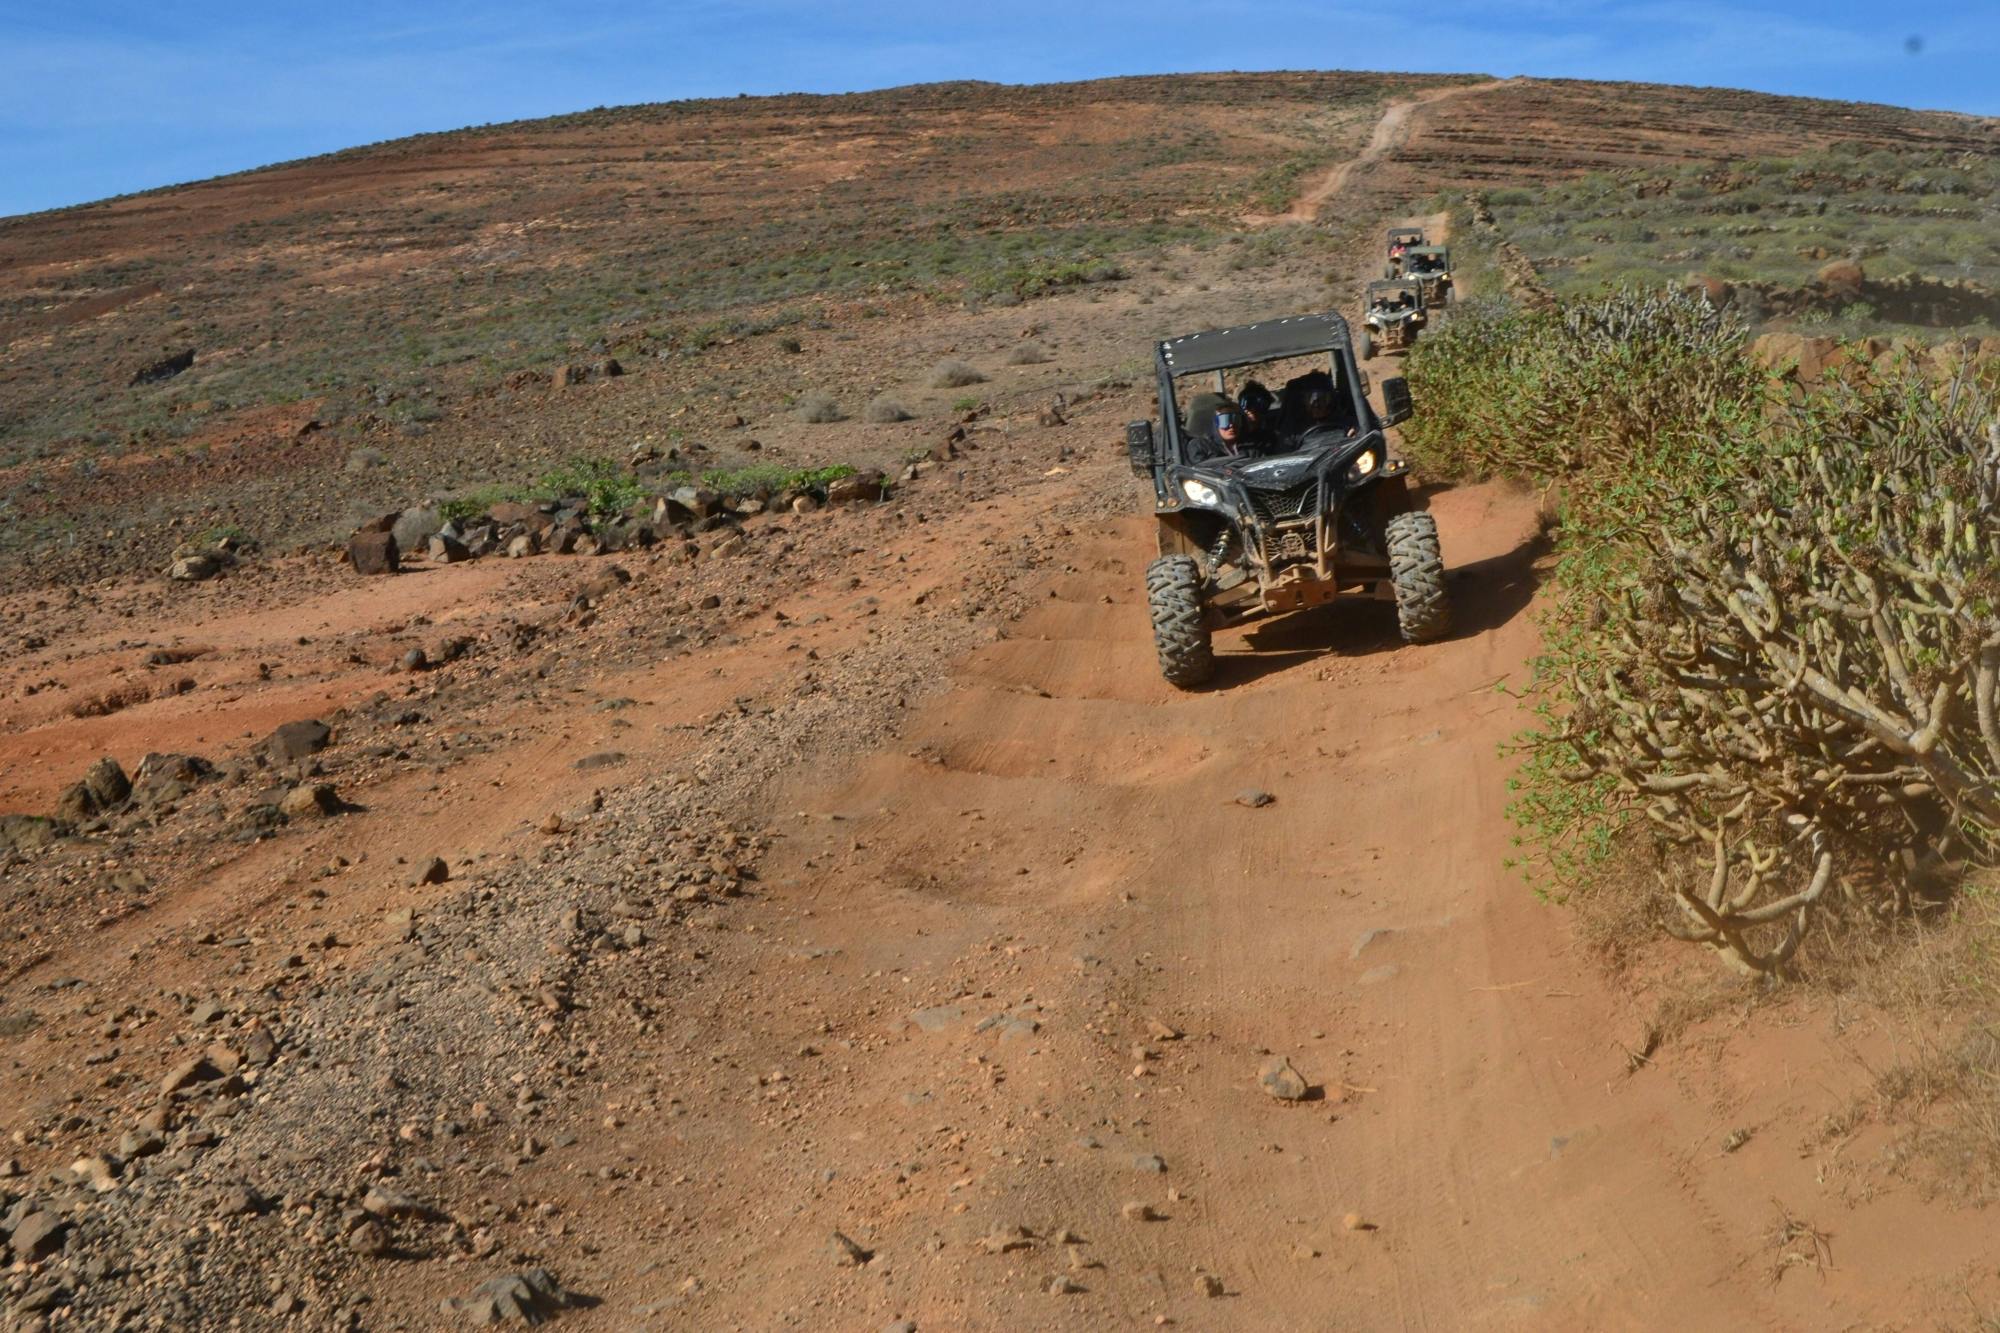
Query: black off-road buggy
[1400, 240]
[1392, 316]
[1430, 265]
[1326, 514]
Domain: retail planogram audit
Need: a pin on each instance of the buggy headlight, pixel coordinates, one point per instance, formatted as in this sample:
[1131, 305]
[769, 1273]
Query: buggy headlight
[1362, 466]
[1200, 492]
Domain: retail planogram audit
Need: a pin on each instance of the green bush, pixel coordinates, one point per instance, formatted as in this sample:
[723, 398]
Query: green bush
[1599, 395]
[607, 487]
[1772, 645]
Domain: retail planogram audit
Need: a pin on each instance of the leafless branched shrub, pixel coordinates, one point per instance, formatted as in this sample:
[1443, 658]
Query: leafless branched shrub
[1798, 688]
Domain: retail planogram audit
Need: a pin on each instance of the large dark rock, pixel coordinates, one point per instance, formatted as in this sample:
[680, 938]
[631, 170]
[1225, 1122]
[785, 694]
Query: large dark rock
[168, 777]
[165, 368]
[862, 486]
[107, 783]
[374, 553]
[27, 833]
[531, 516]
[447, 549]
[297, 740]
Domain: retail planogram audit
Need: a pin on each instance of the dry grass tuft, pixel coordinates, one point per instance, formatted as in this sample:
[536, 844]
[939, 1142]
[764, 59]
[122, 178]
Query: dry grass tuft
[817, 408]
[955, 375]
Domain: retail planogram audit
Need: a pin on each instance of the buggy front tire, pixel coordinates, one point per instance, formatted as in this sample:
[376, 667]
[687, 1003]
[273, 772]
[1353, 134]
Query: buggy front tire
[1365, 348]
[1416, 569]
[1180, 622]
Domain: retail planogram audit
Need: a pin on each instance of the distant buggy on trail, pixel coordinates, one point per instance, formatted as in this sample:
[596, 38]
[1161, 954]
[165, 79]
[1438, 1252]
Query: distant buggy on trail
[1430, 265]
[1299, 510]
[1392, 316]
[1400, 240]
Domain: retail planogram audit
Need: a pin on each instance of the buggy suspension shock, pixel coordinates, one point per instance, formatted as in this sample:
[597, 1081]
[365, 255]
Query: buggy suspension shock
[1217, 552]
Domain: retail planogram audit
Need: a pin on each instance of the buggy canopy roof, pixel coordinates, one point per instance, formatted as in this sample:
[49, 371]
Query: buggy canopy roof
[1389, 285]
[1405, 233]
[1248, 344]
[1427, 250]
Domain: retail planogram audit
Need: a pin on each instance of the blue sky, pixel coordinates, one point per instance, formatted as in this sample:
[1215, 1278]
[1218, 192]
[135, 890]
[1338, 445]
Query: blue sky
[101, 97]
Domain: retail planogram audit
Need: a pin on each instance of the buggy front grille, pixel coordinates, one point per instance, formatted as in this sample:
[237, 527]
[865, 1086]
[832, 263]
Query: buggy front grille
[1287, 506]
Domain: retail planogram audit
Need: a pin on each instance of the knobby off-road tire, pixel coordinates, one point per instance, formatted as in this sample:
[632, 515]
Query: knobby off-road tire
[1365, 348]
[1180, 629]
[1416, 569]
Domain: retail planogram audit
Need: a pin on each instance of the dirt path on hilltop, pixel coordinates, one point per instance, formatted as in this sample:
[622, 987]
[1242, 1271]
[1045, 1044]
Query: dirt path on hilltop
[1389, 132]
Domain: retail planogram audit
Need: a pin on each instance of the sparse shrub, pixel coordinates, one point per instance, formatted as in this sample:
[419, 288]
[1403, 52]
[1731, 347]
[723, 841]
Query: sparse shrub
[1773, 646]
[969, 403]
[1587, 388]
[817, 408]
[774, 478]
[954, 375]
[606, 487]
[1028, 353]
[1790, 680]
[882, 411]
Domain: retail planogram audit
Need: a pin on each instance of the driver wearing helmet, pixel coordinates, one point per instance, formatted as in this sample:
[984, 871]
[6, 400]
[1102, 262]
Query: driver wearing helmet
[1259, 407]
[1313, 406]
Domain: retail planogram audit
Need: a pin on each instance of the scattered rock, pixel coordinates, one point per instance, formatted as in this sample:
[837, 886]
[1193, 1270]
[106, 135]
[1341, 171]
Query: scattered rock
[194, 568]
[431, 870]
[1209, 1285]
[1135, 1211]
[39, 1235]
[846, 1252]
[1002, 1240]
[1149, 1162]
[532, 1296]
[189, 1072]
[1278, 1079]
[601, 759]
[1062, 1285]
[296, 740]
[938, 1017]
[386, 1201]
[239, 1201]
[373, 553]
[1355, 1222]
[27, 833]
[446, 549]
[310, 801]
[1254, 798]
[106, 782]
[855, 489]
[164, 368]
[370, 1241]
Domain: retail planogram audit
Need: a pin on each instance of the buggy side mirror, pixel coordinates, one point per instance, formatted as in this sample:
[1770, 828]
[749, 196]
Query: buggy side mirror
[1395, 401]
[1139, 445]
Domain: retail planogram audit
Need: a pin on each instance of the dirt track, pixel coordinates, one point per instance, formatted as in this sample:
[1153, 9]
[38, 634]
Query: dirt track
[1388, 135]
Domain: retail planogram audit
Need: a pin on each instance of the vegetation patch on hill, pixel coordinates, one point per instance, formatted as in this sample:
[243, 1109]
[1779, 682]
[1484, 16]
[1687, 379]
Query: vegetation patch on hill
[1924, 215]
